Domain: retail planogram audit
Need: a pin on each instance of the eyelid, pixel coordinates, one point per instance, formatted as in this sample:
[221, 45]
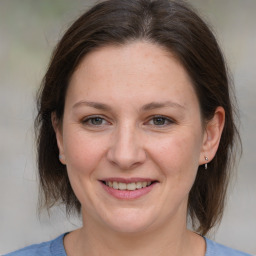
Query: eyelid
[85, 120]
[88, 118]
[170, 120]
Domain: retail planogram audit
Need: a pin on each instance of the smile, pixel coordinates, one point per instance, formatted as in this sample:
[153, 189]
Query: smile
[127, 186]
[128, 189]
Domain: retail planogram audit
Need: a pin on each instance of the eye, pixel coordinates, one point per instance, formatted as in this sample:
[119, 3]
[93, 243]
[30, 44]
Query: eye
[160, 121]
[94, 121]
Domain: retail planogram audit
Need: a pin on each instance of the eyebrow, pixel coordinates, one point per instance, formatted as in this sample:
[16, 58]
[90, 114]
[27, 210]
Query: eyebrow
[92, 104]
[147, 107]
[156, 105]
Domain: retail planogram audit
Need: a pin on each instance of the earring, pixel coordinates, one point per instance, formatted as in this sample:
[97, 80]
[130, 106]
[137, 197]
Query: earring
[205, 165]
[62, 159]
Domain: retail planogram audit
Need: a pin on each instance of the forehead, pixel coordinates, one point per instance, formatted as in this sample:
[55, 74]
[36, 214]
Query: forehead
[134, 56]
[141, 67]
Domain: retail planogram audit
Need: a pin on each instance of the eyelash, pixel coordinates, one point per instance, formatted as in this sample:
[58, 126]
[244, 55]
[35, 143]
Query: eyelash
[165, 119]
[88, 121]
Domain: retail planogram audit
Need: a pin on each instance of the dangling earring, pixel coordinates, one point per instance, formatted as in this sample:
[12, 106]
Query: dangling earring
[205, 165]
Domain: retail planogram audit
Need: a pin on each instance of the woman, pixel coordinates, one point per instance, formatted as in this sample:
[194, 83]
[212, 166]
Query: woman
[136, 132]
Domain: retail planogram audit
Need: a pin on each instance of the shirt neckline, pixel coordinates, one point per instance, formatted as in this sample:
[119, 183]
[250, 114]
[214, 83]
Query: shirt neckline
[57, 246]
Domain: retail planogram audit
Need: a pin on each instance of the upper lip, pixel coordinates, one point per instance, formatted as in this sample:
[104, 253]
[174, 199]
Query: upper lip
[128, 180]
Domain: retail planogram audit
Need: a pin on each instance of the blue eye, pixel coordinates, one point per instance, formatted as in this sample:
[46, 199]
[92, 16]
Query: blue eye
[94, 121]
[160, 121]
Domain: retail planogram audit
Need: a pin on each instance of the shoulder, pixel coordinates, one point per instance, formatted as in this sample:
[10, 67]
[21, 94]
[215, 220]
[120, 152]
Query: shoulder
[54, 247]
[215, 249]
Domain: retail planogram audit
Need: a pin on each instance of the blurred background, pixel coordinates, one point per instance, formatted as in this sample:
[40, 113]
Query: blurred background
[29, 30]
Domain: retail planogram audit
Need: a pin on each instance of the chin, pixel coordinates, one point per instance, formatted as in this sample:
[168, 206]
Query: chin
[129, 228]
[130, 221]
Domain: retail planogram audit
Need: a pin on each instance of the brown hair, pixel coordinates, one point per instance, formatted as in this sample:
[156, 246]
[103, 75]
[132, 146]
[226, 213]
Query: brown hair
[174, 26]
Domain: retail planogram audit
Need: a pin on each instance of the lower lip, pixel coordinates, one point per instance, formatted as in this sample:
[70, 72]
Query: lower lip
[128, 194]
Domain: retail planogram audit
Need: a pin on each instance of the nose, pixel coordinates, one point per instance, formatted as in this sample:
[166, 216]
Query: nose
[126, 150]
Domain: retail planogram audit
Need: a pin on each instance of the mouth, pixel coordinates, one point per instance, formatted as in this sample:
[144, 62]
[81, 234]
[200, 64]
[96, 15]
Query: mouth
[128, 186]
[128, 189]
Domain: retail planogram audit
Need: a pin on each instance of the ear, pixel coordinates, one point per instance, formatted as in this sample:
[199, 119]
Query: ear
[58, 132]
[212, 136]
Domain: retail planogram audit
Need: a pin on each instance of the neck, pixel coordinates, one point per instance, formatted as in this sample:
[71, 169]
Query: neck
[171, 238]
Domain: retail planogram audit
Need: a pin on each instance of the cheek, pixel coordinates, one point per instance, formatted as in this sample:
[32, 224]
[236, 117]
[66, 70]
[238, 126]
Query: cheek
[82, 153]
[178, 154]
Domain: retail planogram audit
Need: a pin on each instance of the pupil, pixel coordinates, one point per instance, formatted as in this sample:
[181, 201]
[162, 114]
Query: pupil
[97, 121]
[159, 121]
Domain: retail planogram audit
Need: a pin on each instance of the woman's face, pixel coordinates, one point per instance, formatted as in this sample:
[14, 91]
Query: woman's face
[131, 137]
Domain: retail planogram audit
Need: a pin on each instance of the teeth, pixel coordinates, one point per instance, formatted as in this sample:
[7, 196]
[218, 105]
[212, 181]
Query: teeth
[138, 185]
[128, 186]
[122, 186]
[131, 186]
[115, 185]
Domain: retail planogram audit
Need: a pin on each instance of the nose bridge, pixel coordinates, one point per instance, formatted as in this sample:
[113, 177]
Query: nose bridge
[126, 149]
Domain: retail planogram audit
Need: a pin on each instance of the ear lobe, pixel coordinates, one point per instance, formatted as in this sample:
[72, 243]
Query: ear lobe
[59, 138]
[212, 136]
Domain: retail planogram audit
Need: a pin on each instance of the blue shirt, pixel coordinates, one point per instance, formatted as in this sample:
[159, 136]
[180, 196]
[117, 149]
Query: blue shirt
[56, 248]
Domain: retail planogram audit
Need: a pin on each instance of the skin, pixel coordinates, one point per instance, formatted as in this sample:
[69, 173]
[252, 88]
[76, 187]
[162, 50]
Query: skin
[127, 141]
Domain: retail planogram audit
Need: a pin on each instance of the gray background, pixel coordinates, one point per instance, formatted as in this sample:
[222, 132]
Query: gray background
[29, 30]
